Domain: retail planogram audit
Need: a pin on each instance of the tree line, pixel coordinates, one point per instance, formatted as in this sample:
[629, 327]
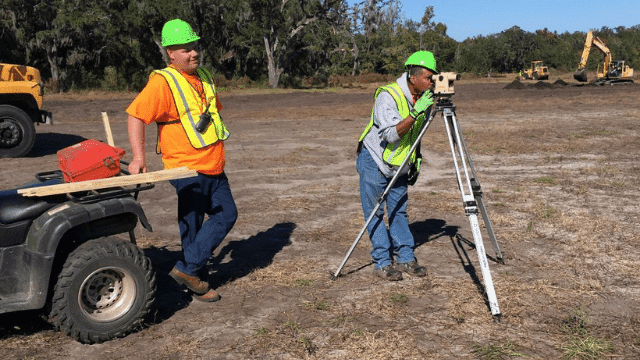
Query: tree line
[115, 44]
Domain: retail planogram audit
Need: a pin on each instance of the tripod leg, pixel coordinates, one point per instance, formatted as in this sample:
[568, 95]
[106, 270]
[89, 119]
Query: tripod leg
[484, 266]
[477, 194]
[487, 223]
[459, 153]
[361, 233]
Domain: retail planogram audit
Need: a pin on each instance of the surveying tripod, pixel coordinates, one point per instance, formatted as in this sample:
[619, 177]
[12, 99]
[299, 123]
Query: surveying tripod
[469, 187]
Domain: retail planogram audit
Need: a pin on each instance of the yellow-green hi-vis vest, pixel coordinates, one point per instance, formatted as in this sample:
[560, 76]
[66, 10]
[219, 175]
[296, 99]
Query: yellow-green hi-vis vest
[395, 153]
[189, 105]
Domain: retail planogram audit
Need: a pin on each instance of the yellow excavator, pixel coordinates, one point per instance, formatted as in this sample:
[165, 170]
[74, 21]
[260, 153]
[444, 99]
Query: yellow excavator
[613, 71]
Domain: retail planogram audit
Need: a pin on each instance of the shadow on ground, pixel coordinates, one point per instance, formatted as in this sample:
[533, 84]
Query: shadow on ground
[245, 256]
[22, 323]
[250, 254]
[51, 143]
[423, 232]
[170, 297]
[430, 230]
[462, 246]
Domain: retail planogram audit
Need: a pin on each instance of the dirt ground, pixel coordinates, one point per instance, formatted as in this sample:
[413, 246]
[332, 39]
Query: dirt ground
[559, 170]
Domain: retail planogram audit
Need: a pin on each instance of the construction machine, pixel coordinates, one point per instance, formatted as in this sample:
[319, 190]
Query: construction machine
[21, 92]
[612, 72]
[536, 72]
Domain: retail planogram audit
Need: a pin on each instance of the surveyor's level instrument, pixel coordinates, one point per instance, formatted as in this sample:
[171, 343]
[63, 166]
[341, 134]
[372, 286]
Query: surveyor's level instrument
[469, 187]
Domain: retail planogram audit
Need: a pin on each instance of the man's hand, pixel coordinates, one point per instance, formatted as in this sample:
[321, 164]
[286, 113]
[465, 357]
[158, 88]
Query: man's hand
[137, 166]
[422, 104]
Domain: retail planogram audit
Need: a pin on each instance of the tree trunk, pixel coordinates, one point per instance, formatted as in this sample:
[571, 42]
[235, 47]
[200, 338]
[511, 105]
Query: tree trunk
[356, 54]
[272, 63]
[163, 52]
[54, 73]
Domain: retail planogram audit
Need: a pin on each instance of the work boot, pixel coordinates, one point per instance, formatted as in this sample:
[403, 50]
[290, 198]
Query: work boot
[210, 296]
[192, 282]
[412, 268]
[388, 273]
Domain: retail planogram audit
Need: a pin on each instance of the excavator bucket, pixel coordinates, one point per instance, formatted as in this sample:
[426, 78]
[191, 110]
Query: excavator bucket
[580, 75]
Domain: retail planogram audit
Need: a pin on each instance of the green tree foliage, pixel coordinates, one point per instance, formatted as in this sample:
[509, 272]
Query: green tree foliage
[280, 26]
[114, 44]
[375, 24]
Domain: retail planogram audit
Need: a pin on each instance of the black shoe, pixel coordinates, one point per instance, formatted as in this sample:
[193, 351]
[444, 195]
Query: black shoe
[412, 268]
[388, 273]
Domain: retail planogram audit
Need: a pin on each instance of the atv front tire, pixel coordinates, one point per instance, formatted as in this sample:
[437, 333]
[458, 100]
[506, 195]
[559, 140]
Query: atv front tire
[105, 290]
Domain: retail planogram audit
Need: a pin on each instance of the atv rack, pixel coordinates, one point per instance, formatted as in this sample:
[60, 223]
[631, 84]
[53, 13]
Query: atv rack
[95, 195]
[106, 185]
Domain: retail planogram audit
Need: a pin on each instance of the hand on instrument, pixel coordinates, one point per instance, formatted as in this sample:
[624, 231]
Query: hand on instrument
[422, 104]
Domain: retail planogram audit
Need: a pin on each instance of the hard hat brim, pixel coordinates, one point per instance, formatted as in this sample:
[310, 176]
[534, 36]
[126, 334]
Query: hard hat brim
[181, 44]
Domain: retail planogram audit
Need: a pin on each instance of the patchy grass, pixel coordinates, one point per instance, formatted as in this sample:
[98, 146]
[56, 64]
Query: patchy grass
[547, 180]
[587, 347]
[399, 298]
[497, 352]
[318, 304]
[581, 343]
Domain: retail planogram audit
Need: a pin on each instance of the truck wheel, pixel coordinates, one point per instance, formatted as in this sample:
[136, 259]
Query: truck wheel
[105, 290]
[17, 132]
[535, 75]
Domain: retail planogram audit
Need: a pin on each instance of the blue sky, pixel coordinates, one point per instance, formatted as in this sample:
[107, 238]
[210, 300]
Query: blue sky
[465, 19]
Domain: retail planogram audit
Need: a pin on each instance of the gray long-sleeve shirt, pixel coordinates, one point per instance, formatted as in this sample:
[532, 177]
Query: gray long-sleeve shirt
[385, 118]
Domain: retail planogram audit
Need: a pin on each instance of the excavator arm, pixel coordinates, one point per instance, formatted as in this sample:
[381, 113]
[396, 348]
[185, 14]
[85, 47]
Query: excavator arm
[581, 73]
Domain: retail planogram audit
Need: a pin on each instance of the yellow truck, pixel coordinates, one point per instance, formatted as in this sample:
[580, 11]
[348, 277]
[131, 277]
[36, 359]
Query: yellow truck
[21, 93]
[537, 71]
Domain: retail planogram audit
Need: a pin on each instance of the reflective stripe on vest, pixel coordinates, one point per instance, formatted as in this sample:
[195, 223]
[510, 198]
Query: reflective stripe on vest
[394, 154]
[189, 105]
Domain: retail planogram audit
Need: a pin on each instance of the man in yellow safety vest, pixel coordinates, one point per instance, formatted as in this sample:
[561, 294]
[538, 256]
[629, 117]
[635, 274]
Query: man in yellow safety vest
[397, 116]
[182, 100]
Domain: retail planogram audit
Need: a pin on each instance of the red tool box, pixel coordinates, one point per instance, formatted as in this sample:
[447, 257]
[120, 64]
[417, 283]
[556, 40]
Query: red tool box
[89, 160]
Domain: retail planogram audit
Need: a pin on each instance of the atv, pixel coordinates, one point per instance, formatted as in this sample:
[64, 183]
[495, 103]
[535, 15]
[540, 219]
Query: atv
[58, 253]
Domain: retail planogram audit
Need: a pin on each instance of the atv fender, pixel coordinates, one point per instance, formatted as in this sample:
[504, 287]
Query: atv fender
[81, 222]
[47, 230]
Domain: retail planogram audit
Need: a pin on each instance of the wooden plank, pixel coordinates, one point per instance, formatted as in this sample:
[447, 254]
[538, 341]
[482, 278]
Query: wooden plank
[124, 180]
[107, 129]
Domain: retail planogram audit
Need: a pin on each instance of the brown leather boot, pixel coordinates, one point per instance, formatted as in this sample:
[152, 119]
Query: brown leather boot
[388, 273]
[412, 268]
[192, 282]
[210, 296]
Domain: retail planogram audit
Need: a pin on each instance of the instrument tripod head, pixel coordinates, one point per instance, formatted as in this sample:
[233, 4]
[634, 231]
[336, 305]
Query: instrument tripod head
[444, 103]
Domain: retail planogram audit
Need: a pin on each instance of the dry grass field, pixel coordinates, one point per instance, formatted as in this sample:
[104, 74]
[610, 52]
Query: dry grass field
[559, 170]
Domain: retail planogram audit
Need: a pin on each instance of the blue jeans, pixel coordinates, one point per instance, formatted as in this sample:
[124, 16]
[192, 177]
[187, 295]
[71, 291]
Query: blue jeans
[397, 240]
[199, 196]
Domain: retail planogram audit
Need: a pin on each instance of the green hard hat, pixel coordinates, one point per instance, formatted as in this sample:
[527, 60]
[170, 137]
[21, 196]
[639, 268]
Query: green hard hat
[177, 32]
[424, 59]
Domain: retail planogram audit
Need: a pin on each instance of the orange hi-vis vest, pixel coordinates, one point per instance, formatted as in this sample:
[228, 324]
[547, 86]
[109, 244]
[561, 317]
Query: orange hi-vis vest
[190, 105]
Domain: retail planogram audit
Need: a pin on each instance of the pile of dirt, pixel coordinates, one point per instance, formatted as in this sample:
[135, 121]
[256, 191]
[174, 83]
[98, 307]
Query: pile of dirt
[515, 84]
[542, 85]
[518, 85]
